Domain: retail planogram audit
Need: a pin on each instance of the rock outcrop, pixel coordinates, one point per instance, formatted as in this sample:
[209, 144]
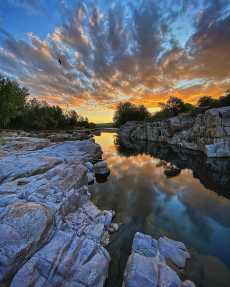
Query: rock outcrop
[147, 264]
[208, 132]
[50, 232]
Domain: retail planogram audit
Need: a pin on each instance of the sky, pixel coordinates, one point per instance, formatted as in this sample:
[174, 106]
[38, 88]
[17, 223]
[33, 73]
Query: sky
[142, 51]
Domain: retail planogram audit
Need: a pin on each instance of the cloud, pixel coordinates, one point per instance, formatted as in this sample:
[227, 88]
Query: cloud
[31, 6]
[125, 50]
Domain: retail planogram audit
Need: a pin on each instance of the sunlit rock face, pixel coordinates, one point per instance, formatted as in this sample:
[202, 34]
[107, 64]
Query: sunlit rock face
[147, 264]
[50, 232]
[208, 132]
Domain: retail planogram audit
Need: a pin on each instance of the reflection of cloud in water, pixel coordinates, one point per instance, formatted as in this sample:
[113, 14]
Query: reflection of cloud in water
[140, 172]
[180, 207]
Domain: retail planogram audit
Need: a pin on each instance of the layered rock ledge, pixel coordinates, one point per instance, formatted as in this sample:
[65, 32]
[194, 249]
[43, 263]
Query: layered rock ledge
[148, 263]
[208, 132]
[50, 232]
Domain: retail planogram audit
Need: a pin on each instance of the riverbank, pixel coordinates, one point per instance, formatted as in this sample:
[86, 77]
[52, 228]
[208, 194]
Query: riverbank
[208, 132]
[50, 229]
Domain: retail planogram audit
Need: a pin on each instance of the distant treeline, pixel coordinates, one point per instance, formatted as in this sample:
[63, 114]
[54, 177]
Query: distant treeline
[173, 107]
[18, 111]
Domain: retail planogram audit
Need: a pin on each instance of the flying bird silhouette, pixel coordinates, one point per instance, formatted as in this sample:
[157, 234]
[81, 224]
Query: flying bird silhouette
[59, 61]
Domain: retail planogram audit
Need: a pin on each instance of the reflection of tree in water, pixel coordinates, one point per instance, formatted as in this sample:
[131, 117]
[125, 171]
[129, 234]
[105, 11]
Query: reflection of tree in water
[213, 173]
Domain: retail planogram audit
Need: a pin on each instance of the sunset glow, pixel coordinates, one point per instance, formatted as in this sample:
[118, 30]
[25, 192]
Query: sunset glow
[89, 55]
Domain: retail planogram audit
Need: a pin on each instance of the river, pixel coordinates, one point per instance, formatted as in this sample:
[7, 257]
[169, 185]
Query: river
[151, 194]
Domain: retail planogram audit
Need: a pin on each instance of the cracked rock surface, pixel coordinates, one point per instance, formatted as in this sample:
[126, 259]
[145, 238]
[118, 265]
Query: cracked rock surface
[208, 132]
[147, 264]
[50, 232]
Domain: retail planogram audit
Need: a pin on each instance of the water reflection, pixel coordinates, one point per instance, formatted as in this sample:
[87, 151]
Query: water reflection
[162, 191]
[214, 173]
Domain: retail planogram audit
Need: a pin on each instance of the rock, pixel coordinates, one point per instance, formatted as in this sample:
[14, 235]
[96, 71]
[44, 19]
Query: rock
[24, 228]
[90, 177]
[145, 245]
[89, 166]
[173, 250]
[106, 217]
[101, 168]
[68, 136]
[40, 161]
[113, 228]
[187, 283]
[67, 260]
[219, 149]
[105, 239]
[141, 271]
[208, 132]
[168, 277]
[50, 231]
[15, 143]
[147, 266]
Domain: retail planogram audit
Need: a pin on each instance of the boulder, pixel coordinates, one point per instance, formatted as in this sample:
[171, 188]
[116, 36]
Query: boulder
[101, 168]
[113, 227]
[145, 245]
[168, 277]
[24, 228]
[173, 250]
[147, 264]
[141, 271]
[67, 260]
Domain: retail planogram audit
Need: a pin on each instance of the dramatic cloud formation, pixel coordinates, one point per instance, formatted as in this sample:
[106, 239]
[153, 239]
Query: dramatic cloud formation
[102, 52]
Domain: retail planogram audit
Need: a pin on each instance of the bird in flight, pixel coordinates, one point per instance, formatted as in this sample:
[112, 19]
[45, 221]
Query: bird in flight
[59, 61]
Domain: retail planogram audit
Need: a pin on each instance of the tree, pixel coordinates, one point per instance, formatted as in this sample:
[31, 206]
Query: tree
[72, 118]
[224, 100]
[17, 111]
[174, 106]
[206, 101]
[129, 112]
[12, 101]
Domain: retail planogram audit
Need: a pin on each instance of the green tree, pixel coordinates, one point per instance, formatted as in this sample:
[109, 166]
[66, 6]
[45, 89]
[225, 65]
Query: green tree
[129, 112]
[224, 100]
[206, 101]
[175, 106]
[12, 101]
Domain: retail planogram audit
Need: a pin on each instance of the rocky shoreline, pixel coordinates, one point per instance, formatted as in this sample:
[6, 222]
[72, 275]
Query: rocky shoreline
[208, 132]
[50, 231]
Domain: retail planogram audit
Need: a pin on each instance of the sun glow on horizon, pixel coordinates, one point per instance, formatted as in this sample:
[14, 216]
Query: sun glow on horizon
[91, 55]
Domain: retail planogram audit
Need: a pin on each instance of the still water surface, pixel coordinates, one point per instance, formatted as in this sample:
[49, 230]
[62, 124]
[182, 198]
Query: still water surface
[150, 198]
